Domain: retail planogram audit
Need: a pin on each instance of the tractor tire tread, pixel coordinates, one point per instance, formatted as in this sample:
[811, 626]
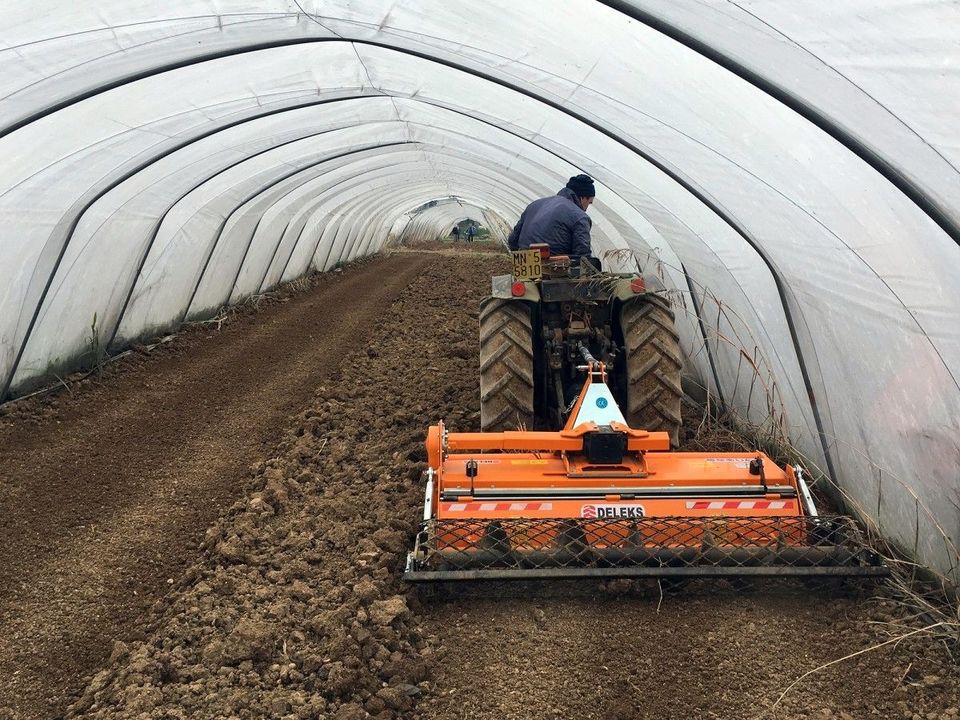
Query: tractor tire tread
[653, 366]
[506, 365]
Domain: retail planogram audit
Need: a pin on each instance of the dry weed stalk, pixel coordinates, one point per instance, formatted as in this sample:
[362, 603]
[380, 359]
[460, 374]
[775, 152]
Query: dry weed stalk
[871, 648]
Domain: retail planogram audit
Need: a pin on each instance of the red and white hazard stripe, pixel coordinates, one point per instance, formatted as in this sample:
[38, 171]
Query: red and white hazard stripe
[496, 507]
[739, 504]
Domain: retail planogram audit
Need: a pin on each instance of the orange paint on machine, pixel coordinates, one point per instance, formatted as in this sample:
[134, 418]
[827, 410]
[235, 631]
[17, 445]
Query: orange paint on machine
[600, 498]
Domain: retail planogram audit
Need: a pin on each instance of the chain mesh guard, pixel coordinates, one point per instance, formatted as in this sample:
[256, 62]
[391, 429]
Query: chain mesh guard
[652, 546]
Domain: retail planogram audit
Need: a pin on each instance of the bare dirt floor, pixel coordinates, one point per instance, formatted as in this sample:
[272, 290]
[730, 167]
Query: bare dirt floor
[462, 247]
[217, 529]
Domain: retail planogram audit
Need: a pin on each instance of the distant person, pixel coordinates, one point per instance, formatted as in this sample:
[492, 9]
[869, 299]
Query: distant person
[456, 232]
[559, 220]
[471, 232]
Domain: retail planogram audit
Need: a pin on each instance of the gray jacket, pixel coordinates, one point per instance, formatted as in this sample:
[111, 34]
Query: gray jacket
[557, 221]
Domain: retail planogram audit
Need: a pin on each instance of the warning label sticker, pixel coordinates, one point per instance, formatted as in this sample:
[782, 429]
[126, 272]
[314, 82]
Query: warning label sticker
[603, 512]
[738, 462]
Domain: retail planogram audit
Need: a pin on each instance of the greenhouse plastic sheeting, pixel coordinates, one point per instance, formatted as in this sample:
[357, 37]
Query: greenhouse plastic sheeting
[791, 173]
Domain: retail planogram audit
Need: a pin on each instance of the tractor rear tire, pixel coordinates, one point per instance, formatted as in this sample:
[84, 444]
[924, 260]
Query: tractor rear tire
[506, 365]
[653, 366]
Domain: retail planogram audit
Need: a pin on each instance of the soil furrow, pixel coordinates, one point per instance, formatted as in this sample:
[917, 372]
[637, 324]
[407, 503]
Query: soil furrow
[103, 505]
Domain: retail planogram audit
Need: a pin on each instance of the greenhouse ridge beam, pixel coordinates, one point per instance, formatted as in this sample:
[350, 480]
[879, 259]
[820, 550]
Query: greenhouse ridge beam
[874, 159]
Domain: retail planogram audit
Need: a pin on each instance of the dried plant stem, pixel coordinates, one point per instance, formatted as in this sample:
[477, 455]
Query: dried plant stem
[928, 628]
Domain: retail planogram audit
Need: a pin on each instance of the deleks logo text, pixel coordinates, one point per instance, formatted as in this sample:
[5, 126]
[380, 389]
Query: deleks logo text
[603, 512]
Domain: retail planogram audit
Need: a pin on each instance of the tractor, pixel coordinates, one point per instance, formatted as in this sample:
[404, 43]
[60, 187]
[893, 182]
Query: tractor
[535, 322]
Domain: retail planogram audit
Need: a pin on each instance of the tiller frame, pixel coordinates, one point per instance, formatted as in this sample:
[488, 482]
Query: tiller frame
[601, 499]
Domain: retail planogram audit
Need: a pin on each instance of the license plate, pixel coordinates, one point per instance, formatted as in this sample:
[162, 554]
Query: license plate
[526, 265]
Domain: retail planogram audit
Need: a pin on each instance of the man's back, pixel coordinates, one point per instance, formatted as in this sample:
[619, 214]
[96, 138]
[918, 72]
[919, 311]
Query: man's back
[557, 221]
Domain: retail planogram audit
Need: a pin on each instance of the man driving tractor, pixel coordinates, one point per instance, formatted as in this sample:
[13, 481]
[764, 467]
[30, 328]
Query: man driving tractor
[560, 221]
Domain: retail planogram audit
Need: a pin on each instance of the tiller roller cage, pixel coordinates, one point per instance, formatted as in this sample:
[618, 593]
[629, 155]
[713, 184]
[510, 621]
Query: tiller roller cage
[601, 499]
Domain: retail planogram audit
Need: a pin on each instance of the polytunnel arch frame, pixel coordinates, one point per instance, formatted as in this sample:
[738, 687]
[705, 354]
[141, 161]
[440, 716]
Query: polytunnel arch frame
[394, 147]
[263, 189]
[651, 20]
[358, 97]
[159, 222]
[368, 151]
[78, 213]
[629, 9]
[323, 196]
[416, 144]
[361, 203]
[661, 166]
[234, 294]
[249, 198]
[928, 205]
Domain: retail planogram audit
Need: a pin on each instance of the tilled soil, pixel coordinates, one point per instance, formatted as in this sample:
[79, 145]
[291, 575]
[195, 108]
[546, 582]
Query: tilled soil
[710, 652]
[293, 605]
[105, 495]
[461, 246]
